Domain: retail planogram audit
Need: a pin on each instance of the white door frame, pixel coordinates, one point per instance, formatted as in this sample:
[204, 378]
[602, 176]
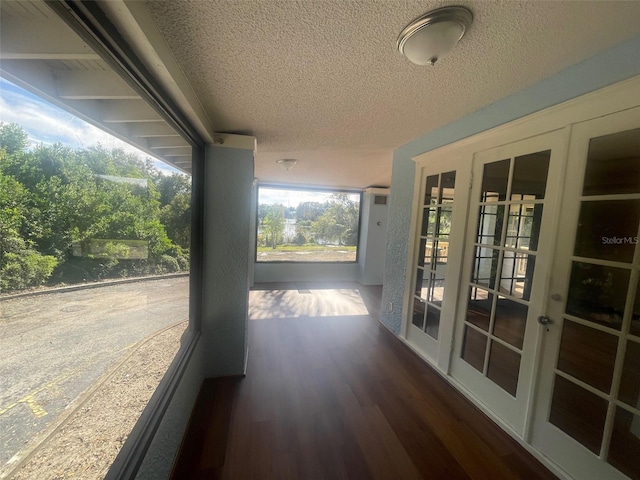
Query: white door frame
[513, 410]
[546, 437]
[437, 352]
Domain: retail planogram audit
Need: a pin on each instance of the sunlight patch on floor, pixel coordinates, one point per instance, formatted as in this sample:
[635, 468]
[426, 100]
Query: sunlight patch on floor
[305, 303]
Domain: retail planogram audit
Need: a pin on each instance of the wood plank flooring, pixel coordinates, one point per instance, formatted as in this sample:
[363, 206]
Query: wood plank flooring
[339, 397]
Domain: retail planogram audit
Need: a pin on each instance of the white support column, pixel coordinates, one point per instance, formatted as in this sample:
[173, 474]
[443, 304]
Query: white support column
[229, 169]
[373, 236]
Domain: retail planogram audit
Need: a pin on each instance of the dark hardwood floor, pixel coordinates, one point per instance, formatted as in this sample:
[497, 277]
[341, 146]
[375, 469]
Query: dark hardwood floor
[339, 397]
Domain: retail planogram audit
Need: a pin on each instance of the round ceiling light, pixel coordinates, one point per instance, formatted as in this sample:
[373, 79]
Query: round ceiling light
[287, 163]
[433, 34]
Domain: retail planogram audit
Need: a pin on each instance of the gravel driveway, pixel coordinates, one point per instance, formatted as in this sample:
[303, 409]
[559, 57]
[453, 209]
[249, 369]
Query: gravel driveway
[55, 346]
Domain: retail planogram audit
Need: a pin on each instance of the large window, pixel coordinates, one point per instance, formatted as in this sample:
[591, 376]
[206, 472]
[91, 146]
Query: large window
[94, 289]
[307, 225]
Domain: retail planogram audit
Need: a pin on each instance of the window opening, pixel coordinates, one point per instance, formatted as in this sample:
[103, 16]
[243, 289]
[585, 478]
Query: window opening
[89, 215]
[307, 225]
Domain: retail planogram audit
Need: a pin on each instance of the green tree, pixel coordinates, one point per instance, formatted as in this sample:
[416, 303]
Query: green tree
[326, 229]
[273, 225]
[12, 138]
[310, 211]
[171, 186]
[339, 222]
[12, 214]
[347, 213]
[55, 201]
[20, 265]
[176, 217]
[263, 210]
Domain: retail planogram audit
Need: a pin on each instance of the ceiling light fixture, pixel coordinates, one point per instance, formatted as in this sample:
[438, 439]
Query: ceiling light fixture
[433, 34]
[287, 163]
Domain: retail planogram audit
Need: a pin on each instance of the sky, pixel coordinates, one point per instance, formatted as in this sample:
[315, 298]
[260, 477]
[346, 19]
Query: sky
[291, 198]
[47, 124]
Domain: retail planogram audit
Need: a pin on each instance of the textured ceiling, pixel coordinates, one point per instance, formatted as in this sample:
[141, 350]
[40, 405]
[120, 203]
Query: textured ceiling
[322, 82]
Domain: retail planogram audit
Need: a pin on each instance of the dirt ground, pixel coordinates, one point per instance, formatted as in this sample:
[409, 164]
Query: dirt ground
[308, 256]
[87, 442]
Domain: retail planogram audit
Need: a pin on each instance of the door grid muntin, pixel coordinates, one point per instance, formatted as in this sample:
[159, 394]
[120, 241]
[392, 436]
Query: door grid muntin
[433, 251]
[505, 250]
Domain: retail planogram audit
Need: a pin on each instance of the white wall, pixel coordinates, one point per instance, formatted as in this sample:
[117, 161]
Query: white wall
[373, 237]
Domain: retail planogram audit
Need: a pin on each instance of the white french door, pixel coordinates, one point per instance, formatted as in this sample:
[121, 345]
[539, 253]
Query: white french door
[439, 233]
[587, 415]
[509, 241]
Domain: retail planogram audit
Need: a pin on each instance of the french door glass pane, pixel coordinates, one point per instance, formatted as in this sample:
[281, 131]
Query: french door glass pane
[479, 308]
[485, 267]
[510, 321]
[523, 227]
[421, 284]
[588, 354]
[608, 230]
[598, 293]
[490, 224]
[441, 256]
[447, 187]
[630, 382]
[418, 313]
[579, 413]
[426, 252]
[635, 317]
[428, 222]
[530, 176]
[444, 222]
[474, 347]
[431, 190]
[613, 164]
[435, 288]
[432, 324]
[504, 365]
[517, 274]
[625, 443]
[495, 179]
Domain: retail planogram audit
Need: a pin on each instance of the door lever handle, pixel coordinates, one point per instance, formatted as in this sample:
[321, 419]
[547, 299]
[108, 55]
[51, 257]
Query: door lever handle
[542, 320]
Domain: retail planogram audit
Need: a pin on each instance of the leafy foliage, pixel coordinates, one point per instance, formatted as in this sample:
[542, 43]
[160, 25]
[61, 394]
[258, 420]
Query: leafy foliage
[172, 186]
[55, 200]
[176, 217]
[13, 138]
[339, 222]
[310, 211]
[25, 268]
[273, 225]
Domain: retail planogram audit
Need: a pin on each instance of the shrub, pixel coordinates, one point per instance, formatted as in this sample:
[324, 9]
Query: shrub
[25, 269]
[168, 264]
[299, 239]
